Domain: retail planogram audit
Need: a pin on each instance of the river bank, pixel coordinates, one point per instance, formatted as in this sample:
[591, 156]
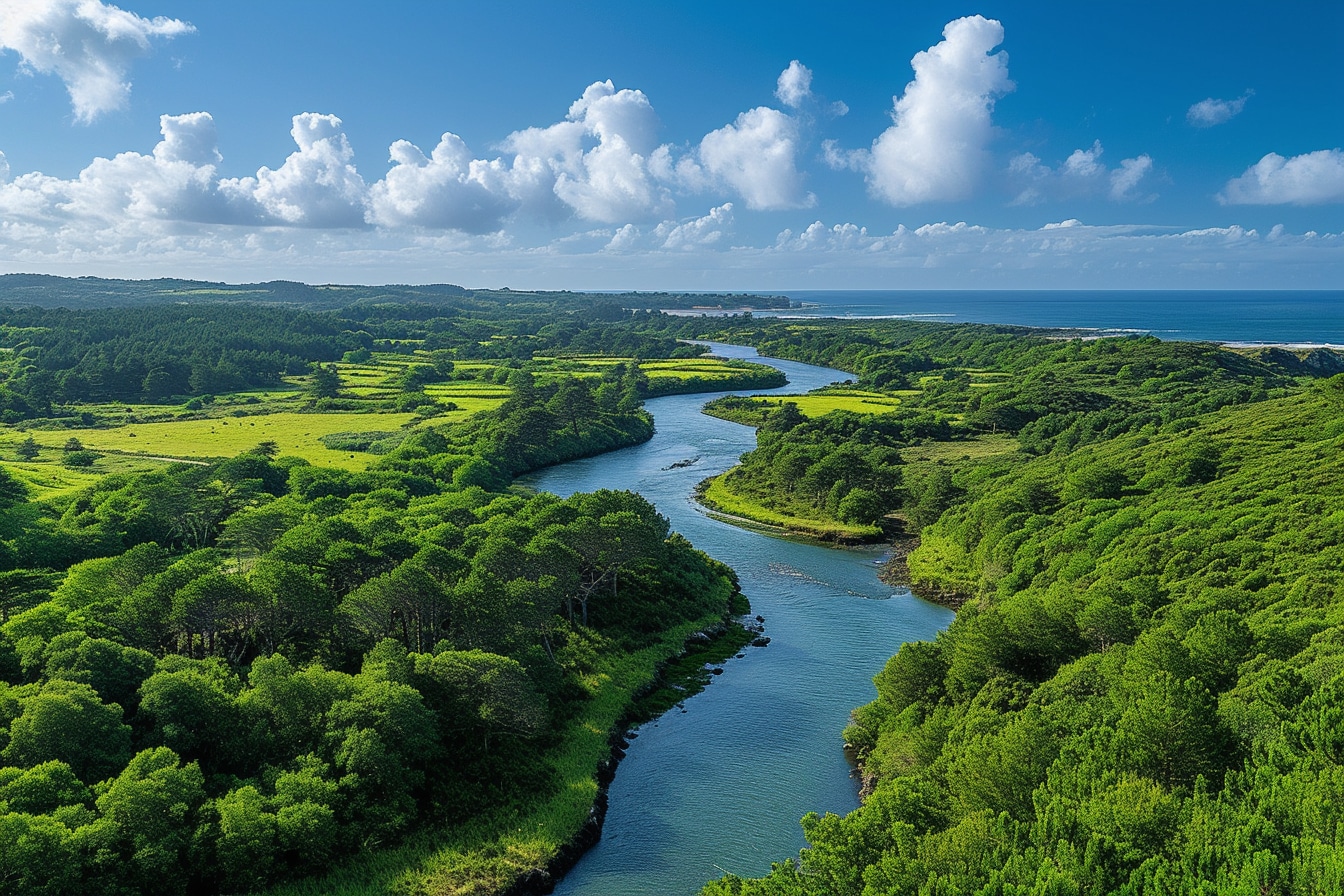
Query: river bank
[715, 495]
[699, 791]
[895, 571]
[674, 680]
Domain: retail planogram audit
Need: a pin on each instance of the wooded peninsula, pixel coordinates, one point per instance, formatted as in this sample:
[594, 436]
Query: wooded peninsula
[275, 616]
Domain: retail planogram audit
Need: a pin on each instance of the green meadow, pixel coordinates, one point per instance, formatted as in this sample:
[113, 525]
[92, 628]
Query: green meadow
[137, 436]
[817, 404]
[216, 437]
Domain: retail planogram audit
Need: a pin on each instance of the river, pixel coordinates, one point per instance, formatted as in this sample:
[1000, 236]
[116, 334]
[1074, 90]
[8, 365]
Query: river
[720, 785]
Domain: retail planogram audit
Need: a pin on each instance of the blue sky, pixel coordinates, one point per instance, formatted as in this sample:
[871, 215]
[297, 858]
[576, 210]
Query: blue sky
[676, 146]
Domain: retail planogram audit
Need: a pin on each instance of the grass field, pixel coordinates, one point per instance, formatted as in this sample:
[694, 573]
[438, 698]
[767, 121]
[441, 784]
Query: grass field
[139, 436]
[818, 404]
[218, 437]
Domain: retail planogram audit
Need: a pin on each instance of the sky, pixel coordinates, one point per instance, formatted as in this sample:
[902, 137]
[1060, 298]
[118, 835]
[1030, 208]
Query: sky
[679, 146]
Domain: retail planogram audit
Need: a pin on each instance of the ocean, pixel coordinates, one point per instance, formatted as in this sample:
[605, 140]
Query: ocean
[1299, 318]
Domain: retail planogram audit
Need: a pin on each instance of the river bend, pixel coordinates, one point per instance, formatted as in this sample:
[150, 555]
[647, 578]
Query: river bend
[720, 786]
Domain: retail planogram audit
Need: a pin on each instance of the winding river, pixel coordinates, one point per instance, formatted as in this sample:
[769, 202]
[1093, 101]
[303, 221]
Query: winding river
[720, 785]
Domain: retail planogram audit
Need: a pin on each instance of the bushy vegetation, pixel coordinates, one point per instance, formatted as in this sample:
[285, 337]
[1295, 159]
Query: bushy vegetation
[834, 467]
[218, 676]
[1141, 694]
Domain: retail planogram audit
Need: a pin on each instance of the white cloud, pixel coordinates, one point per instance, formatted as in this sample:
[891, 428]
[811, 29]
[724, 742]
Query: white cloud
[820, 256]
[449, 189]
[1081, 175]
[317, 186]
[6, 97]
[688, 235]
[698, 232]
[609, 181]
[1125, 180]
[4, 168]
[1313, 178]
[1210, 112]
[88, 44]
[176, 182]
[935, 149]
[794, 85]
[754, 157]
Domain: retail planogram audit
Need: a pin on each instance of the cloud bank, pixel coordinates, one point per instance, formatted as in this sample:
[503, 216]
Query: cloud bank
[1313, 178]
[88, 44]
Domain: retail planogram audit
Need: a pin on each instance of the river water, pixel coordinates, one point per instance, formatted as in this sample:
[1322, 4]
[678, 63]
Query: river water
[720, 786]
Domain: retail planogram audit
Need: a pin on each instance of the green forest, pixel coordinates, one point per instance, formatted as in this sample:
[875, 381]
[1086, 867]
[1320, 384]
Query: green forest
[1141, 691]
[351, 654]
[219, 675]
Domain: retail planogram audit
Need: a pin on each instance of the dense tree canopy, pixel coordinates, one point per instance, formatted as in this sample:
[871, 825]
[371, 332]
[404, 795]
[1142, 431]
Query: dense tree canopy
[1140, 694]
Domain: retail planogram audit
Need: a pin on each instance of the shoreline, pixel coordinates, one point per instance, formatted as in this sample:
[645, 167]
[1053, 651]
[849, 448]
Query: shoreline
[895, 571]
[543, 881]
[828, 538]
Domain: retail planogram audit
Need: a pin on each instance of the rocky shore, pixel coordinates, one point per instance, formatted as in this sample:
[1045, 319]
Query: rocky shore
[895, 571]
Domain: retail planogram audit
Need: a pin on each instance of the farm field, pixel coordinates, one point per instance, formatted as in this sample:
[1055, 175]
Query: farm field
[137, 436]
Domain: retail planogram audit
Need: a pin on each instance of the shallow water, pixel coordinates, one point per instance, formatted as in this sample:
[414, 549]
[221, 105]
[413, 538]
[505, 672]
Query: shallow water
[720, 786]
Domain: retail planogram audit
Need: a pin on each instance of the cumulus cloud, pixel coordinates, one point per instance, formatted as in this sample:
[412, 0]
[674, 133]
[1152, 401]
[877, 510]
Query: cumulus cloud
[609, 181]
[794, 85]
[317, 186]
[175, 182]
[88, 44]
[1081, 175]
[449, 189]
[697, 232]
[686, 235]
[592, 165]
[756, 157]
[935, 148]
[1210, 112]
[1313, 178]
